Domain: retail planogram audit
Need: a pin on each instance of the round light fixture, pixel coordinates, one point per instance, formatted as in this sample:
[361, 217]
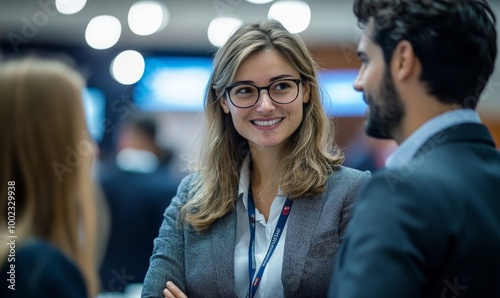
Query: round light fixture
[220, 29]
[128, 67]
[70, 6]
[147, 17]
[103, 32]
[294, 15]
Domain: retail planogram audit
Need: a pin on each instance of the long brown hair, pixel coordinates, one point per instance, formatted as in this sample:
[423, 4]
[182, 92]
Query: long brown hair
[47, 154]
[310, 154]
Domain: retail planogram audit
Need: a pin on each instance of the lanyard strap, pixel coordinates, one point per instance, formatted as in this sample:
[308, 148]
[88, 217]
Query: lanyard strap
[255, 281]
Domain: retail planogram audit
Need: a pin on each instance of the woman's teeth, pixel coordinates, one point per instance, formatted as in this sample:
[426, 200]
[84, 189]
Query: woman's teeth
[267, 123]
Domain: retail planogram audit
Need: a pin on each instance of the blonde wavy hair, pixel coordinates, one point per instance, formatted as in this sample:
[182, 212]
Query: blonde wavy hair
[309, 155]
[47, 153]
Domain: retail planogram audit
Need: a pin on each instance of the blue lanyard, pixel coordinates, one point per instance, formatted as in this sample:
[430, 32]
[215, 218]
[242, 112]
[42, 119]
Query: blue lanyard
[255, 282]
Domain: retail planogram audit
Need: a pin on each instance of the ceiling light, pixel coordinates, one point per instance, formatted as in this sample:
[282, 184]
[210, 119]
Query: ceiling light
[260, 1]
[294, 15]
[128, 67]
[70, 6]
[220, 29]
[147, 17]
[103, 32]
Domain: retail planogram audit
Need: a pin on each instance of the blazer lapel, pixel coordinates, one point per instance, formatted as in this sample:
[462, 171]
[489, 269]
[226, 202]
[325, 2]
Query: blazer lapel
[303, 219]
[222, 247]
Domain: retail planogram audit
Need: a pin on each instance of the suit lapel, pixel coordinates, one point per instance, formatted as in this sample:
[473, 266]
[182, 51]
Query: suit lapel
[223, 241]
[465, 132]
[303, 219]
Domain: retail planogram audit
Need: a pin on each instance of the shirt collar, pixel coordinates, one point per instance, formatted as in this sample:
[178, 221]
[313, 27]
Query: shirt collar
[244, 183]
[405, 152]
[244, 180]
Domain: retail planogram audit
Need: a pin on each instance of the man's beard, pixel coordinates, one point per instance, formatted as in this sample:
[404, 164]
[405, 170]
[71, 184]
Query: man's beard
[385, 110]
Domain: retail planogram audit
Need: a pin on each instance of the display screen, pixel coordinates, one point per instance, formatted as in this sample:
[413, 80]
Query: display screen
[341, 99]
[94, 106]
[177, 84]
[173, 84]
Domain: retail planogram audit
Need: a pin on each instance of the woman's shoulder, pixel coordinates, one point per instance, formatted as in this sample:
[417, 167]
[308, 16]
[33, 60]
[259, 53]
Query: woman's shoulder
[37, 246]
[347, 177]
[187, 184]
[347, 173]
[41, 268]
[38, 251]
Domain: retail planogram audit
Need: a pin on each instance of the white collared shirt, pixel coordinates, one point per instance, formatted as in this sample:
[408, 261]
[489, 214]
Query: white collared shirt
[405, 152]
[270, 285]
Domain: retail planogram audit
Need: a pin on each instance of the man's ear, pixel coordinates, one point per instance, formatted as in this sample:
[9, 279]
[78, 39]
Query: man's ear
[404, 61]
[223, 103]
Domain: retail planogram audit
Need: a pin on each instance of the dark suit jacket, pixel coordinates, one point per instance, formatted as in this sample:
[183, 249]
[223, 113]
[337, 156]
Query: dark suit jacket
[136, 203]
[41, 270]
[430, 229]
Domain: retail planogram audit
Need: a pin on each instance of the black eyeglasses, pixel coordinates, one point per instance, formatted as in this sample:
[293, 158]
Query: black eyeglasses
[244, 95]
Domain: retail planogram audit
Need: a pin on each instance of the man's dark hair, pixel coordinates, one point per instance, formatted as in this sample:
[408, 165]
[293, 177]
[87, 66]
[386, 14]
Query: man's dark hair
[454, 40]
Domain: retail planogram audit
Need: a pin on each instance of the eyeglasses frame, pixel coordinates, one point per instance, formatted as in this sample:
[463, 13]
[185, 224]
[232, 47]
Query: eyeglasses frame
[296, 81]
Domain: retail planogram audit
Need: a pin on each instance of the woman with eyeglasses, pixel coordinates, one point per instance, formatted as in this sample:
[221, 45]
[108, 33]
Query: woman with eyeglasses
[264, 213]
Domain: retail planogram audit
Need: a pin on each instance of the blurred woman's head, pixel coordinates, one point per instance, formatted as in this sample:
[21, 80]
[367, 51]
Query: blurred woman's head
[47, 152]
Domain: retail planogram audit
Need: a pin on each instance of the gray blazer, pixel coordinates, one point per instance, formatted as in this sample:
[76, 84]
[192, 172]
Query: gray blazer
[202, 265]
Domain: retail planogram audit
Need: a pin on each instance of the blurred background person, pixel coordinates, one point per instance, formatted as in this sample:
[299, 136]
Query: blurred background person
[367, 154]
[46, 157]
[138, 187]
